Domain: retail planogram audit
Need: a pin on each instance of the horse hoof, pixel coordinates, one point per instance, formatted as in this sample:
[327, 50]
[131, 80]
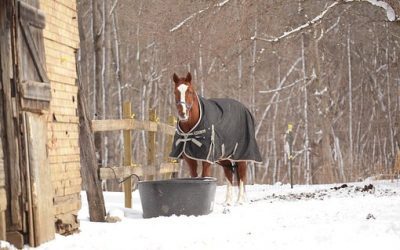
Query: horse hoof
[227, 203]
[241, 201]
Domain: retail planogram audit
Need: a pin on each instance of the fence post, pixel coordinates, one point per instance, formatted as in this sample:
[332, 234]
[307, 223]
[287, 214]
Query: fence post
[127, 114]
[151, 143]
[168, 144]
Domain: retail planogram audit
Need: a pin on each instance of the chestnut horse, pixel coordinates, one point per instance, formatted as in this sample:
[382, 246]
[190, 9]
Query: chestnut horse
[214, 131]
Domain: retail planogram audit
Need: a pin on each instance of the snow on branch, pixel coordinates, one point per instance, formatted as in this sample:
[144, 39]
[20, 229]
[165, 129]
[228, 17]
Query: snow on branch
[179, 25]
[310, 79]
[187, 19]
[276, 93]
[390, 13]
[300, 28]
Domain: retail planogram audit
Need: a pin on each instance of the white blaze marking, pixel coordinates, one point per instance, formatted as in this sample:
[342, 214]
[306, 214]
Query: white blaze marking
[182, 89]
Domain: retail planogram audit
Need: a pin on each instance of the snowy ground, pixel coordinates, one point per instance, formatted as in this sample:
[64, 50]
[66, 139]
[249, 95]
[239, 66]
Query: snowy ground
[276, 217]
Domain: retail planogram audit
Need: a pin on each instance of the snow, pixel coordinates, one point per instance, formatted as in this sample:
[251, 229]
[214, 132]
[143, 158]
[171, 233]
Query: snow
[179, 25]
[389, 10]
[275, 217]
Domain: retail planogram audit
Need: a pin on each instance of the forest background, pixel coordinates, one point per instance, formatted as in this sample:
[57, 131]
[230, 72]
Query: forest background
[329, 68]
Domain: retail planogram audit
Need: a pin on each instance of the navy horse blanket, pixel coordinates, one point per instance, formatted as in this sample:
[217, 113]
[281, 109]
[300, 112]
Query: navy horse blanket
[225, 131]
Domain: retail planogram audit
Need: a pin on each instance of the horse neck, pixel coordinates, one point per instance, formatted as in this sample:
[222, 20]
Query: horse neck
[194, 116]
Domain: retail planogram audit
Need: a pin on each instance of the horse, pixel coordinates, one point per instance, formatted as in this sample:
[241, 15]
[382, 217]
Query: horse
[218, 130]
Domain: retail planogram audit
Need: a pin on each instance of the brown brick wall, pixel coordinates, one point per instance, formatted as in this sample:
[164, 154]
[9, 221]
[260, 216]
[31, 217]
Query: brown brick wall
[61, 41]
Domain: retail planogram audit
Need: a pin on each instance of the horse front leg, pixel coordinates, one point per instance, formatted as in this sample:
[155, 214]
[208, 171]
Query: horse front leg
[192, 166]
[242, 176]
[206, 169]
[229, 180]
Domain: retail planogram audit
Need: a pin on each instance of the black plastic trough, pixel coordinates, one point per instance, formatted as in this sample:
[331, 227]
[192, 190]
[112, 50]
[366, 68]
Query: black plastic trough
[182, 196]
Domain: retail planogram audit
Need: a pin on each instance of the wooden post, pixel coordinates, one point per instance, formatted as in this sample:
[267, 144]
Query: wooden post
[89, 168]
[127, 114]
[151, 146]
[168, 145]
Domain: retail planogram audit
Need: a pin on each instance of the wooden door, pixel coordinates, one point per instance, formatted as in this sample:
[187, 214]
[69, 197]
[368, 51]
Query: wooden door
[34, 99]
[15, 215]
[26, 99]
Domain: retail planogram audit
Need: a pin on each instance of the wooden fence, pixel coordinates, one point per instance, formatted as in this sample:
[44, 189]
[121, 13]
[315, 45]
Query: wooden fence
[129, 168]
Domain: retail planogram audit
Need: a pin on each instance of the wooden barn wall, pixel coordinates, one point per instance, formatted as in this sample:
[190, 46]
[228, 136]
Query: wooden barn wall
[61, 40]
[3, 200]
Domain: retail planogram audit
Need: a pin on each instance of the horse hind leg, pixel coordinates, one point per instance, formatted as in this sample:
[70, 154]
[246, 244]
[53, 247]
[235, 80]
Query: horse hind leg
[228, 171]
[192, 166]
[242, 179]
[206, 172]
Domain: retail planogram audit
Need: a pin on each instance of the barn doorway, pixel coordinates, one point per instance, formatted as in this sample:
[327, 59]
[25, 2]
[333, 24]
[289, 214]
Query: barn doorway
[25, 96]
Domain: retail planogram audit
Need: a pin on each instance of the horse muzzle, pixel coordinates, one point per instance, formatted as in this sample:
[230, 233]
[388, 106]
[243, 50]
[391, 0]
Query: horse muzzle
[183, 118]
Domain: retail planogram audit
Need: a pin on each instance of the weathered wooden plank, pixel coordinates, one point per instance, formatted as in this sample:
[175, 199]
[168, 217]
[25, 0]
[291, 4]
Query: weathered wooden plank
[127, 113]
[33, 48]
[123, 124]
[36, 90]
[169, 167]
[41, 188]
[97, 210]
[32, 15]
[34, 105]
[125, 171]
[15, 238]
[168, 144]
[151, 144]
[10, 147]
[166, 129]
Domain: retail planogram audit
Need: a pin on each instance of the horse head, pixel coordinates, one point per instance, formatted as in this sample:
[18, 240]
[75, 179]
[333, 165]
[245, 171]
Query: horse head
[185, 96]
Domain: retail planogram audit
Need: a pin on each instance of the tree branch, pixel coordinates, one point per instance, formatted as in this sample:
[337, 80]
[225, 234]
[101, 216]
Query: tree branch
[390, 13]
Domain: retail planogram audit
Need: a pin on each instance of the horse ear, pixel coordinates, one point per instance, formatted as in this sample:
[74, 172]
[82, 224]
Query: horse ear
[189, 77]
[175, 78]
